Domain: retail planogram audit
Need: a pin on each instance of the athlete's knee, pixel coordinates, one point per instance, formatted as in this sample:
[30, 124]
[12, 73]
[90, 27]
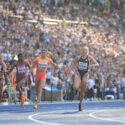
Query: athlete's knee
[84, 82]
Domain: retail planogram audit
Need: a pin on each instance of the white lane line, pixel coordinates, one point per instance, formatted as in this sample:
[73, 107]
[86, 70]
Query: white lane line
[30, 117]
[101, 118]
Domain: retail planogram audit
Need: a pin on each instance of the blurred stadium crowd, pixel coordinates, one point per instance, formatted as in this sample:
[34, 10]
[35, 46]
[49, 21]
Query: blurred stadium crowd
[103, 33]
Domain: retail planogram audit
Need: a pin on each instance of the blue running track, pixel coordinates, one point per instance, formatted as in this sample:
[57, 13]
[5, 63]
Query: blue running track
[64, 113]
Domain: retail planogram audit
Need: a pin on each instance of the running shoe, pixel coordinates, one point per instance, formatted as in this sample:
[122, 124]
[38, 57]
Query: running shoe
[80, 108]
[35, 106]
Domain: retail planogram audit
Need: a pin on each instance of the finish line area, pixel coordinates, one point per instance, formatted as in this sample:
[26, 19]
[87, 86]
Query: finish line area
[64, 113]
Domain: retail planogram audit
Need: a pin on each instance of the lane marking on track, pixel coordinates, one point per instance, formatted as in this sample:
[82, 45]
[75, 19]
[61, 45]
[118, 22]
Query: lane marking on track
[48, 115]
[102, 118]
[30, 117]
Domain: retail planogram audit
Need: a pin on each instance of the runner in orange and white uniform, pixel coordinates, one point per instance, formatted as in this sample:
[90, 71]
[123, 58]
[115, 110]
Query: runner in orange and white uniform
[41, 63]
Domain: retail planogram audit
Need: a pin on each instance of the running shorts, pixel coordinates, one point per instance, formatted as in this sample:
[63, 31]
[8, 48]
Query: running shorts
[40, 76]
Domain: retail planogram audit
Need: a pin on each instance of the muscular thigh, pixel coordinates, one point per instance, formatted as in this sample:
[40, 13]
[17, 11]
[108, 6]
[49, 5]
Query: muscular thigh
[84, 82]
[85, 78]
[77, 81]
[21, 82]
[40, 83]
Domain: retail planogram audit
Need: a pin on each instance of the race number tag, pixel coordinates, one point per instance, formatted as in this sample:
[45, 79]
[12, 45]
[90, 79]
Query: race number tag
[42, 64]
[82, 66]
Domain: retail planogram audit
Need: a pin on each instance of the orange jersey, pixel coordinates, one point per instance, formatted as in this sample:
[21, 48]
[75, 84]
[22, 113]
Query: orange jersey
[42, 64]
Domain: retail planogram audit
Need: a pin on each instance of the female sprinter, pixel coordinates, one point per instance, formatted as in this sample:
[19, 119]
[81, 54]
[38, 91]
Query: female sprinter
[41, 63]
[80, 68]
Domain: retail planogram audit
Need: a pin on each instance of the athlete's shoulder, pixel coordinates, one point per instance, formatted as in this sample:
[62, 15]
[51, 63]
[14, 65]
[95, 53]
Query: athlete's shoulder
[48, 59]
[37, 58]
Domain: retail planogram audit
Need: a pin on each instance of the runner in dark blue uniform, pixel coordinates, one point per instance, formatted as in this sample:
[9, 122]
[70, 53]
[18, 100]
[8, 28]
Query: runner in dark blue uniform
[80, 68]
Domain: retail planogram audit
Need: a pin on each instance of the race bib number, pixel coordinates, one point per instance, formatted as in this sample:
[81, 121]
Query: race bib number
[42, 64]
[21, 69]
[82, 66]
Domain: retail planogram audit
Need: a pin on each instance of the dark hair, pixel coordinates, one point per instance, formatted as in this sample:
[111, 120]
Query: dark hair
[20, 54]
